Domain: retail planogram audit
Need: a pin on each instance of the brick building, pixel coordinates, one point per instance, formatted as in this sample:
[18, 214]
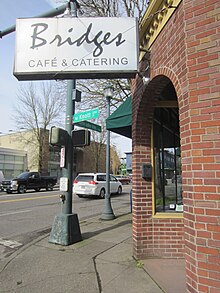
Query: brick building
[176, 132]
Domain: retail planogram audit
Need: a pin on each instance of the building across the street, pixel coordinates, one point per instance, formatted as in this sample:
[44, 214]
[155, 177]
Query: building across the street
[128, 162]
[19, 151]
[12, 162]
[42, 158]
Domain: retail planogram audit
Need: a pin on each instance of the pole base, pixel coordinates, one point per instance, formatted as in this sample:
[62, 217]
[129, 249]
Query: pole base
[107, 217]
[107, 213]
[65, 230]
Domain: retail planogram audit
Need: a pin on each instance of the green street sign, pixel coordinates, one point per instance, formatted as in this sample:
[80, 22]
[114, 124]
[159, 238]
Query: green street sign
[89, 125]
[87, 115]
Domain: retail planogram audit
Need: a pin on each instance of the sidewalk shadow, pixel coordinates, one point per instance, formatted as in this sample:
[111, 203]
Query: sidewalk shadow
[88, 235]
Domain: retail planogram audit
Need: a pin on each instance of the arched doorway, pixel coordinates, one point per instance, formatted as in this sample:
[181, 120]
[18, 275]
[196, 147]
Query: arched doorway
[157, 200]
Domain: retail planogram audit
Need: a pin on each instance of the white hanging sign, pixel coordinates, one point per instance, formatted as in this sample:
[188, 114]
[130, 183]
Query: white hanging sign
[66, 48]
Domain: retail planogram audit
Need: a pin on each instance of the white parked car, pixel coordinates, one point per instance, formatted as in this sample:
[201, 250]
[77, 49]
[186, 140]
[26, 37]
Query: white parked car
[94, 184]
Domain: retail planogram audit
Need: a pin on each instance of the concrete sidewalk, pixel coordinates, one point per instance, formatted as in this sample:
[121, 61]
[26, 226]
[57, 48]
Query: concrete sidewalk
[102, 262]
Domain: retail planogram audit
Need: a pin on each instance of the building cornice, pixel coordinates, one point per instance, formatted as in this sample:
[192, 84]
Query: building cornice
[155, 18]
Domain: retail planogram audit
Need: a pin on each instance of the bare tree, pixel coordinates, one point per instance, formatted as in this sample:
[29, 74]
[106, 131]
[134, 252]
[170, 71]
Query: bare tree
[98, 147]
[97, 150]
[38, 108]
[115, 161]
[116, 8]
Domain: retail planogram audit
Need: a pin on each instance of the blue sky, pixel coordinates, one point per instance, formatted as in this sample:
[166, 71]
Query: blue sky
[10, 10]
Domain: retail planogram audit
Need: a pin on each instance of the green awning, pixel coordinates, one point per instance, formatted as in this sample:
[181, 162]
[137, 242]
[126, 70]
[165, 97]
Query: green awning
[120, 121]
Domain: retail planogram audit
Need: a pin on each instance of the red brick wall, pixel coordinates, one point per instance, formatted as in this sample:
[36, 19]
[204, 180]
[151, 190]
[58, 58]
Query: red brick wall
[156, 236]
[202, 146]
[187, 52]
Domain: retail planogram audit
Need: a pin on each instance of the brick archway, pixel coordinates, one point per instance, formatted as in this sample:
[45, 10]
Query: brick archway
[147, 241]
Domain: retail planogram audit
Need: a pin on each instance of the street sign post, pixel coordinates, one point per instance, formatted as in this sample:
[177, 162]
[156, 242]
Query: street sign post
[89, 125]
[87, 115]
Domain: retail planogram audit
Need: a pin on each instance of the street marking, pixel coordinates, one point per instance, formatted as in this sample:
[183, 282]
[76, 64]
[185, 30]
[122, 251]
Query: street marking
[10, 243]
[28, 198]
[14, 213]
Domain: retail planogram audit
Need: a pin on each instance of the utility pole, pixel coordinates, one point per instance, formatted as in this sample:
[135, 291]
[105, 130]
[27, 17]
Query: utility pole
[66, 229]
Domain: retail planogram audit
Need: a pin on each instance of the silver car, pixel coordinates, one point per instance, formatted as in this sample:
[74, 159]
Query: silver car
[94, 184]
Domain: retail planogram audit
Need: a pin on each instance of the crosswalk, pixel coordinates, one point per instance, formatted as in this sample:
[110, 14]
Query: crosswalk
[10, 243]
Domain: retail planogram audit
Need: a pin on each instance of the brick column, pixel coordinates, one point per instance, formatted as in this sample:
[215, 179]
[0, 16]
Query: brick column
[202, 146]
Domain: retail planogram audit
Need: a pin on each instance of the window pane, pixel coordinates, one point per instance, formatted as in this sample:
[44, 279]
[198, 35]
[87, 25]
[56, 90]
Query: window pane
[9, 166]
[9, 158]
[167, 161]
[19, 159]
[100, 178]
[84, 178]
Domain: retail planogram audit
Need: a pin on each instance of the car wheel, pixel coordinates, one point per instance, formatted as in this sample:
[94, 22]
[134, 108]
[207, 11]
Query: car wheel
[49, 187]
[80, 195]
[22, 188]
[102, 193]
[119, 190]
[37, 189]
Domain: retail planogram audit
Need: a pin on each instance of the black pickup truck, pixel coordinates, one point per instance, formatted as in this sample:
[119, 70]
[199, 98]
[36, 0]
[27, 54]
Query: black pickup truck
[29, 180]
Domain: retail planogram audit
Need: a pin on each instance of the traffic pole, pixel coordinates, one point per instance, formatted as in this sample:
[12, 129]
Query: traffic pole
[66, 229]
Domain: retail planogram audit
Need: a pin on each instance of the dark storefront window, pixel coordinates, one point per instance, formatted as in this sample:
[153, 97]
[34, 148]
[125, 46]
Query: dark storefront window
[167, 161]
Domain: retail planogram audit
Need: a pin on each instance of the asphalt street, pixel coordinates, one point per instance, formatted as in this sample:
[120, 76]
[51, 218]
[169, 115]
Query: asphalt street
[24, 217]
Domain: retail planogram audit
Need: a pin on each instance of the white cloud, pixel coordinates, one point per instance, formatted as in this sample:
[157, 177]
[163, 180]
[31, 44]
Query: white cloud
[122, 143]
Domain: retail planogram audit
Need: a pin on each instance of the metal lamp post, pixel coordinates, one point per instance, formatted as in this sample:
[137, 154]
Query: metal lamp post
[107, 213]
